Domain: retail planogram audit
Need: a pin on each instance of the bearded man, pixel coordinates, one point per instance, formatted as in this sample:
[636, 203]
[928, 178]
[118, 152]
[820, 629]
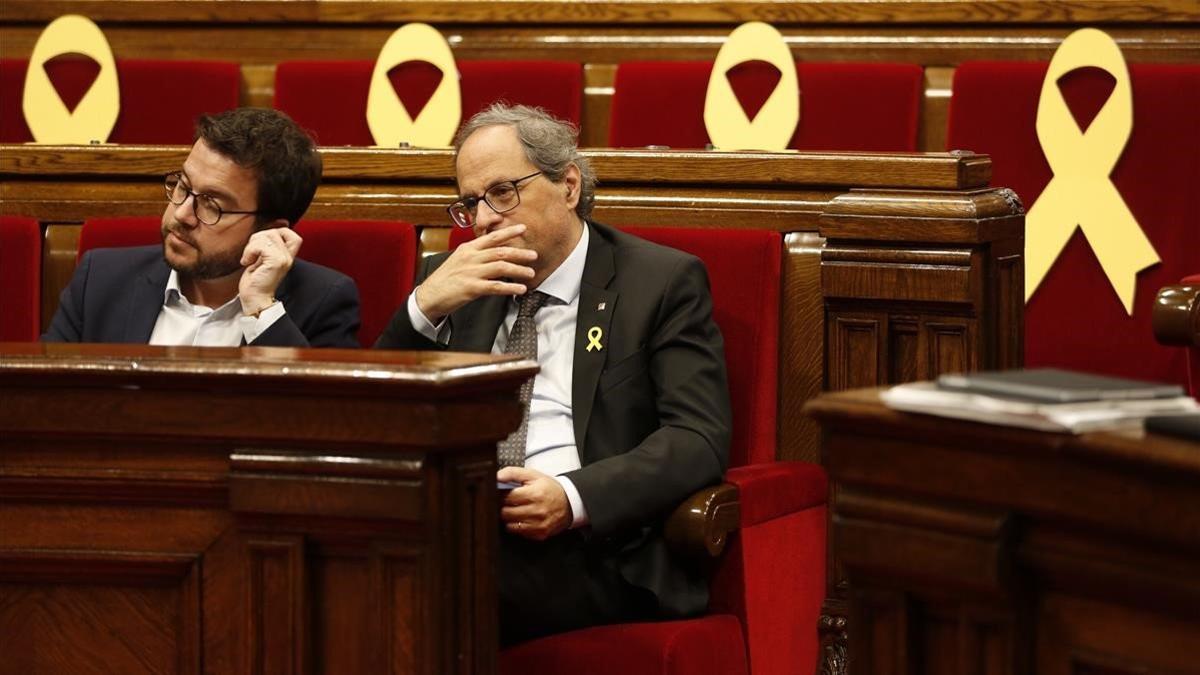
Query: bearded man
[226, 273]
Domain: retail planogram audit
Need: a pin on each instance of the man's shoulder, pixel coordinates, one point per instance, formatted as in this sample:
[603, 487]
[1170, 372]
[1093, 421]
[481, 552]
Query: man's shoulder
[648, 259]
[126, 256]
[108, 266]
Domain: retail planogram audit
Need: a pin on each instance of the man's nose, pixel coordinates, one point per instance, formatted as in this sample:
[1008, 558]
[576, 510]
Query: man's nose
[185, 213]
[486, 217]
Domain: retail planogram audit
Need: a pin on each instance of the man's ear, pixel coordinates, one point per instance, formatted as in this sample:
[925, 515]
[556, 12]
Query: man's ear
[571, 181]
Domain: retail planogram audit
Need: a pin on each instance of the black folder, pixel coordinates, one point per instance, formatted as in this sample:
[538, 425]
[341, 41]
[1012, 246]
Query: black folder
[1051, 385]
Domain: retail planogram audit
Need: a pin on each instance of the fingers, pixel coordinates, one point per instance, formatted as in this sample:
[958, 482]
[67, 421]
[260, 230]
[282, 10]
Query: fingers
[291, 240]
[496, 237]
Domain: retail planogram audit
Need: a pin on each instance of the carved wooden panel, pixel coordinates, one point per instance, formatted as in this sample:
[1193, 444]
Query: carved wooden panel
[855, 349]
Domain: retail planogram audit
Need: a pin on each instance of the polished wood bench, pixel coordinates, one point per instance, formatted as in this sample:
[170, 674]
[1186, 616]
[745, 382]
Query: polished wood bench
[256, 510]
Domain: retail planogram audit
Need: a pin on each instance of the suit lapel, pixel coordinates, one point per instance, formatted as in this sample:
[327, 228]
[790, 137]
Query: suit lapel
[145, 303]
[474, 328]
[596, 307]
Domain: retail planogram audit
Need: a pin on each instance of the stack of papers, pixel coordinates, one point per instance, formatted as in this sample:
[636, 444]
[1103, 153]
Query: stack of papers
[1035, 410]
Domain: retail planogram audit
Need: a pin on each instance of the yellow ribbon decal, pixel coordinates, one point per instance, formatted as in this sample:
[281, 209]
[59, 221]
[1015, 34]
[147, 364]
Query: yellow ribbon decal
[594, 335]
[45, 113]
[387, 117]
[728, 126]
[1081, 193]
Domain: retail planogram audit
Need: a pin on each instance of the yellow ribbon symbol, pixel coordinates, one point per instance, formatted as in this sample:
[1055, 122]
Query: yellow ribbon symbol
[1081, 192]
[594, 335]
[47, 116]
[387, 117]
[728, 126]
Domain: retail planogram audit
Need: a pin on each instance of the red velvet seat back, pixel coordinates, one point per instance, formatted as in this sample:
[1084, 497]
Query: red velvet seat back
[329, 98]
[160, 100]
[20, 279]
[1074, 319]
[843, 106]
[379, 255]
[744, 274]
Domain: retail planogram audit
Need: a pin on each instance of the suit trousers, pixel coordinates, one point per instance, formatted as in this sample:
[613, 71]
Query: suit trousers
[561, 584]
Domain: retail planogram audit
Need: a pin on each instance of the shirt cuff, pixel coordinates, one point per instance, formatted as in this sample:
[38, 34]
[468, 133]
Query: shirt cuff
[439, 333]
[253, 326]
[579, 516]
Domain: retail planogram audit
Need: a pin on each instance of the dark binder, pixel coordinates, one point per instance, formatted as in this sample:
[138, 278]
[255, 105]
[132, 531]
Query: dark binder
[1183, 426]
[1051, 385]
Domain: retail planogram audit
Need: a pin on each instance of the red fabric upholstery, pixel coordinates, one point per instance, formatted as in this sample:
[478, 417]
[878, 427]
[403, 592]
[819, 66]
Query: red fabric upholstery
[843, 106]
[379, 255]
[329, 98]
[771, 579]
[662, 648]
[1074, 319]
[160, 100]
[20, 279]
[741, 264]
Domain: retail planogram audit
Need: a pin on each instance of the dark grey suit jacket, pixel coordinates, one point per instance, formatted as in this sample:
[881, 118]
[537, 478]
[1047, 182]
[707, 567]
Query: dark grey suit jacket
[651, 408]
[117, 293]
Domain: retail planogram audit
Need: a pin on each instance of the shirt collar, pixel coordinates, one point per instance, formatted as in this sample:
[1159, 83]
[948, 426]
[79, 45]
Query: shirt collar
[564, 283]
[173, 295]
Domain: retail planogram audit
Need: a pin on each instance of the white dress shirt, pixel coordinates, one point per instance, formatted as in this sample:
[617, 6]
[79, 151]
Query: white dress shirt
[550, 443]
[182, 323]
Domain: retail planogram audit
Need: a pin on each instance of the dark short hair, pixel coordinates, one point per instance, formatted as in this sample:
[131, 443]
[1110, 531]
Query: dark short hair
[550, 144]
[281, 154]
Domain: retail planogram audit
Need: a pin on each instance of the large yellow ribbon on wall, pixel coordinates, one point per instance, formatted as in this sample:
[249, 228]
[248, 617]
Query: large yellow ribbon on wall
[47, 116]
[729, 128]
[1081, 193]
[387, 117]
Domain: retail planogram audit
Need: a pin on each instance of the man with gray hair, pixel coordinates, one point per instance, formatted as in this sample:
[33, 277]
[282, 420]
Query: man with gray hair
[629, 413]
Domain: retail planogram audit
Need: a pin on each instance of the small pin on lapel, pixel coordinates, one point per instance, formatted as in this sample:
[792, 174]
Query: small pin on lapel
[600, 307]
[593, 335]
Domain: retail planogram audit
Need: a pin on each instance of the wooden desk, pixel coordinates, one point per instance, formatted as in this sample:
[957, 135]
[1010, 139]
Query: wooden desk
[264, 510]
[972, 548]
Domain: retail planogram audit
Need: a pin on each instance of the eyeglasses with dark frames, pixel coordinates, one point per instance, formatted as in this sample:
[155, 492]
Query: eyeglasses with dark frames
[206, 208]
[501, 198]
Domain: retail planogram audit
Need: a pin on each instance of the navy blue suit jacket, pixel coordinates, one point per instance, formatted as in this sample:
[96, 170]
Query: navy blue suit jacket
[117, 293]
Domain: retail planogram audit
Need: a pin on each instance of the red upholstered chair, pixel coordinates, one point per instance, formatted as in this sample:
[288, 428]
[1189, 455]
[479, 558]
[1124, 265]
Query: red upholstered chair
[843, 106]
[379, 255]
[767, 587]
[329, 98]
[20, 279]
[155, 107]
[1074, 319]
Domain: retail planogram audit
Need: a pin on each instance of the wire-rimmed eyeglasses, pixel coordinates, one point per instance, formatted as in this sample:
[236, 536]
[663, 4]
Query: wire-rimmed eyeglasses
[501, 198]
[206, 208]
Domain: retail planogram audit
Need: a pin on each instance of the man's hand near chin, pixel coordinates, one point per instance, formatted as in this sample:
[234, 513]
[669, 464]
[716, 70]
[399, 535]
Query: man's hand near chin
[483, 266]
[538, 509]
[267, 258]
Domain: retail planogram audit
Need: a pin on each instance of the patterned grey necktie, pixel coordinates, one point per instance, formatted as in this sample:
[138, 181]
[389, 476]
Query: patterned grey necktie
[522, 340]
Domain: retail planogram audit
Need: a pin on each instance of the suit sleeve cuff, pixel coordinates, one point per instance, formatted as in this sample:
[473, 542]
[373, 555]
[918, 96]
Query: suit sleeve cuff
[579, 516]
[439, 333]
[254, 326]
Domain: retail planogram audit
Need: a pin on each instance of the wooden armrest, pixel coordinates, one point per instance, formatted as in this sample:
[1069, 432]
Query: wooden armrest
[1176, 315]
[700, 526]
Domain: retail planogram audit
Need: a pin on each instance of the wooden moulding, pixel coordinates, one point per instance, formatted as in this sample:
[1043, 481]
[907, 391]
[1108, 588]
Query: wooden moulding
[1176, 315]
[659, 11]
[934, 171]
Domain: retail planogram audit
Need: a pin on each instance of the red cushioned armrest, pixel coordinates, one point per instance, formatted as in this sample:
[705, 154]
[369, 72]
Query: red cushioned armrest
[777, 489]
